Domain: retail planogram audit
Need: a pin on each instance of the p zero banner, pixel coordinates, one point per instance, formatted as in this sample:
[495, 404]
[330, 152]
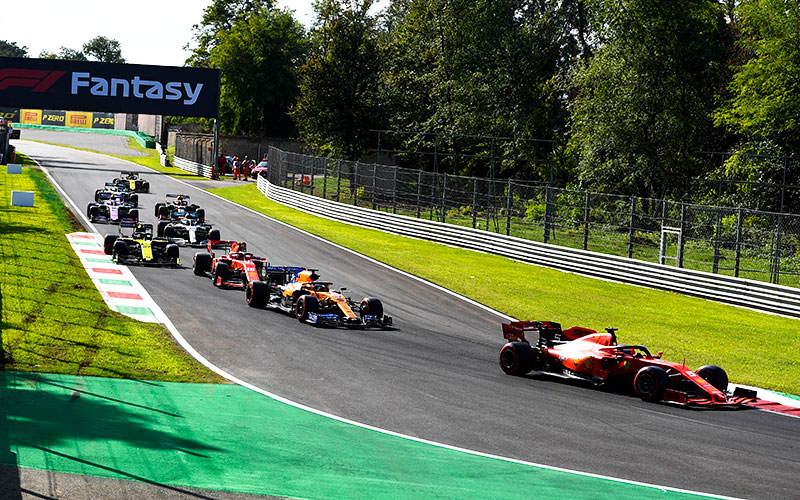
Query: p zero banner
[10, 114]
[118, 88]
[53, 117]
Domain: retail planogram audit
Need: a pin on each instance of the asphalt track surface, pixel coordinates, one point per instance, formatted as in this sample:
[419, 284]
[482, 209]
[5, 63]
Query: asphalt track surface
[435, 376]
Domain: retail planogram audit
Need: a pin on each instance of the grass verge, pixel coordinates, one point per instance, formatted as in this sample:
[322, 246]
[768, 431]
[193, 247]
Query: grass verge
[754, 348]
[53, 318]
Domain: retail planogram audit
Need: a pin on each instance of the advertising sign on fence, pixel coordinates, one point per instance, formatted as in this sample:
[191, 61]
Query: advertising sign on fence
[32, 116]
[10, 114]
[53, 117]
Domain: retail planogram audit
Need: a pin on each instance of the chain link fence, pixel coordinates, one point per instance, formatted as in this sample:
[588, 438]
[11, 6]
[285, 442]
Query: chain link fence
[738, 242]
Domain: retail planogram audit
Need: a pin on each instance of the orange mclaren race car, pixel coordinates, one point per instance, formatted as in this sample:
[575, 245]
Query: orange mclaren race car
[585, 354]
[316, 302]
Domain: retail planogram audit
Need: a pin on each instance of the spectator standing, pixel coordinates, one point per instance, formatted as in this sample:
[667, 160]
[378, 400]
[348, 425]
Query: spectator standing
[246, 166]
[221, 164]
[237, 168]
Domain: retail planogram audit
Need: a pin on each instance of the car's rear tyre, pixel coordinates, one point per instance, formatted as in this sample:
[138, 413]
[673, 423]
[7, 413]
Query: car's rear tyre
[173, 254]
[169, 232]
[163, 212]
[108, 243]
[94, 211]
[134, 214]
[518, 358]
[160, 228]
[89, 208]
[372, 306]
[305, 305]
[134, 199]
[221, 274]
[214, 235]
[257, 294]
[201, 214]
[145, 187]
[202, 263]
[714, 375]
[120, 248]
[650, 383]
[157, 210]
[97, 194]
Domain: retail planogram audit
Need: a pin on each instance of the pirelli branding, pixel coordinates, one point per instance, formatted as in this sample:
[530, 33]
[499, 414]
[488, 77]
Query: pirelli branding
[123, 88]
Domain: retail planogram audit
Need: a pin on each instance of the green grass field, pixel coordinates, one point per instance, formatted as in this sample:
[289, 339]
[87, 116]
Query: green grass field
[755, 348]
[53, 318]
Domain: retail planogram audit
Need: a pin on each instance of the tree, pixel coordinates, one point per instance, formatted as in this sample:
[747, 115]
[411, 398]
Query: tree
[64, 53]
[643, 104]
[765, 103]
[339, 90]
[220, 17]
[104, 50]
[11, 49]
[258, 56]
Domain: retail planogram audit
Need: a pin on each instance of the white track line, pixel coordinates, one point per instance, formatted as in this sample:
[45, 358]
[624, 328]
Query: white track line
[199, 357]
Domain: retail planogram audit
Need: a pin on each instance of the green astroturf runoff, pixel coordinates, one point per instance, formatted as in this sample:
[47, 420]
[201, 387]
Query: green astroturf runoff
[228, 437]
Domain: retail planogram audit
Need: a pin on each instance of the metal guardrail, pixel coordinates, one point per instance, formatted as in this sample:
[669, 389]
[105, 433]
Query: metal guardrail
[190, 166]
[756, 295]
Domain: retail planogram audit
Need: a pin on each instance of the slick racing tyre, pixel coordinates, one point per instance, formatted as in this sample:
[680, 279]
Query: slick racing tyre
[714, 375]
[257, 294]
[173, 254]
[202, 263]
[221, 274]
[108, 243]
[134, 199]
[305, 305]
[214, 235]
[169, 232]
[120, 249]
[157, 210]
[134, 214]
[89, 208]
[160, 228]
[518, 358]
[371, 306]
[650, 383]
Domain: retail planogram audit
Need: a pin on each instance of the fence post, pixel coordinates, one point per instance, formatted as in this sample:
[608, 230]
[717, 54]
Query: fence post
[508, 208]
[474, 201]
[338, 179]
[444, 198]
[374, 183]
[548, 208]
[313, 175]
[419, 194]
[394, 192]
[739, 217]
[353, 189]
[630, 227]
[586, 210]
[325, 180]
[775, 268]
[682, 236]
[433, 195]
[717, 229]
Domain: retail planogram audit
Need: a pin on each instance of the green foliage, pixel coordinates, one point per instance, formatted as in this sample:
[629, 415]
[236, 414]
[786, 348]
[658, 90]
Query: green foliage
[642, 104]
[104, 49]
[11, 49]
[64, 53]
[258, 56]
[339, 102]
[766, 94]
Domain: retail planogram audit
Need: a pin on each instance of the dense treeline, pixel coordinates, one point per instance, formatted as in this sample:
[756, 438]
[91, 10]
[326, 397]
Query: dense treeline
[608, 95]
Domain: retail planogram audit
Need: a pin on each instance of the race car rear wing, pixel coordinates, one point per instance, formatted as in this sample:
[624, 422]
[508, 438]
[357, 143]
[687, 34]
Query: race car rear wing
[227, 245]
[281, 275]
[550, 332]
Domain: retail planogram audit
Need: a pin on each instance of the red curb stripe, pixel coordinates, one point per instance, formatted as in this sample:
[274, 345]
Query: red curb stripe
[775, 407]
[93, 252]
[123, 295]
[85, 236]
[106, 270]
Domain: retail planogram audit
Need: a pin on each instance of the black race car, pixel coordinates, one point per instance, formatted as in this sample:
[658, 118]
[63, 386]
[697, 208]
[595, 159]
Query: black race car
[112, 208]
[111, 189]
[132, 182]
[177, 206]
[140, 247]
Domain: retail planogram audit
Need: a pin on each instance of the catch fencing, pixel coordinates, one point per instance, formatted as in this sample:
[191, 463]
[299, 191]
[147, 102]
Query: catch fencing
[736, 242]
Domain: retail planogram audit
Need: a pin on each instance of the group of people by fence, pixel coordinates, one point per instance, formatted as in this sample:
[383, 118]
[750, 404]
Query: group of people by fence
[239, 168]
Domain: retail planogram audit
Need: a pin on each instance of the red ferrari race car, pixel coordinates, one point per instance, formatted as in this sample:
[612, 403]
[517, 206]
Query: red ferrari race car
[236, 267]
[582, 353]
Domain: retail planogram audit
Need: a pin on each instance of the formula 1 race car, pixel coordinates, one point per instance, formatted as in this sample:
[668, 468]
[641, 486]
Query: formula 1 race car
[235, 267]
[316, 302]
[177, 206]
[582, 353]
[141, 248]
[132, 182]
[114, 209]
[110, 189]
[187, 231]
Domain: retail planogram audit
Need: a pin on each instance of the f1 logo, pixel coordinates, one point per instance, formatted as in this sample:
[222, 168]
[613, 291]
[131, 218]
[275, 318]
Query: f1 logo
[38, 80]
